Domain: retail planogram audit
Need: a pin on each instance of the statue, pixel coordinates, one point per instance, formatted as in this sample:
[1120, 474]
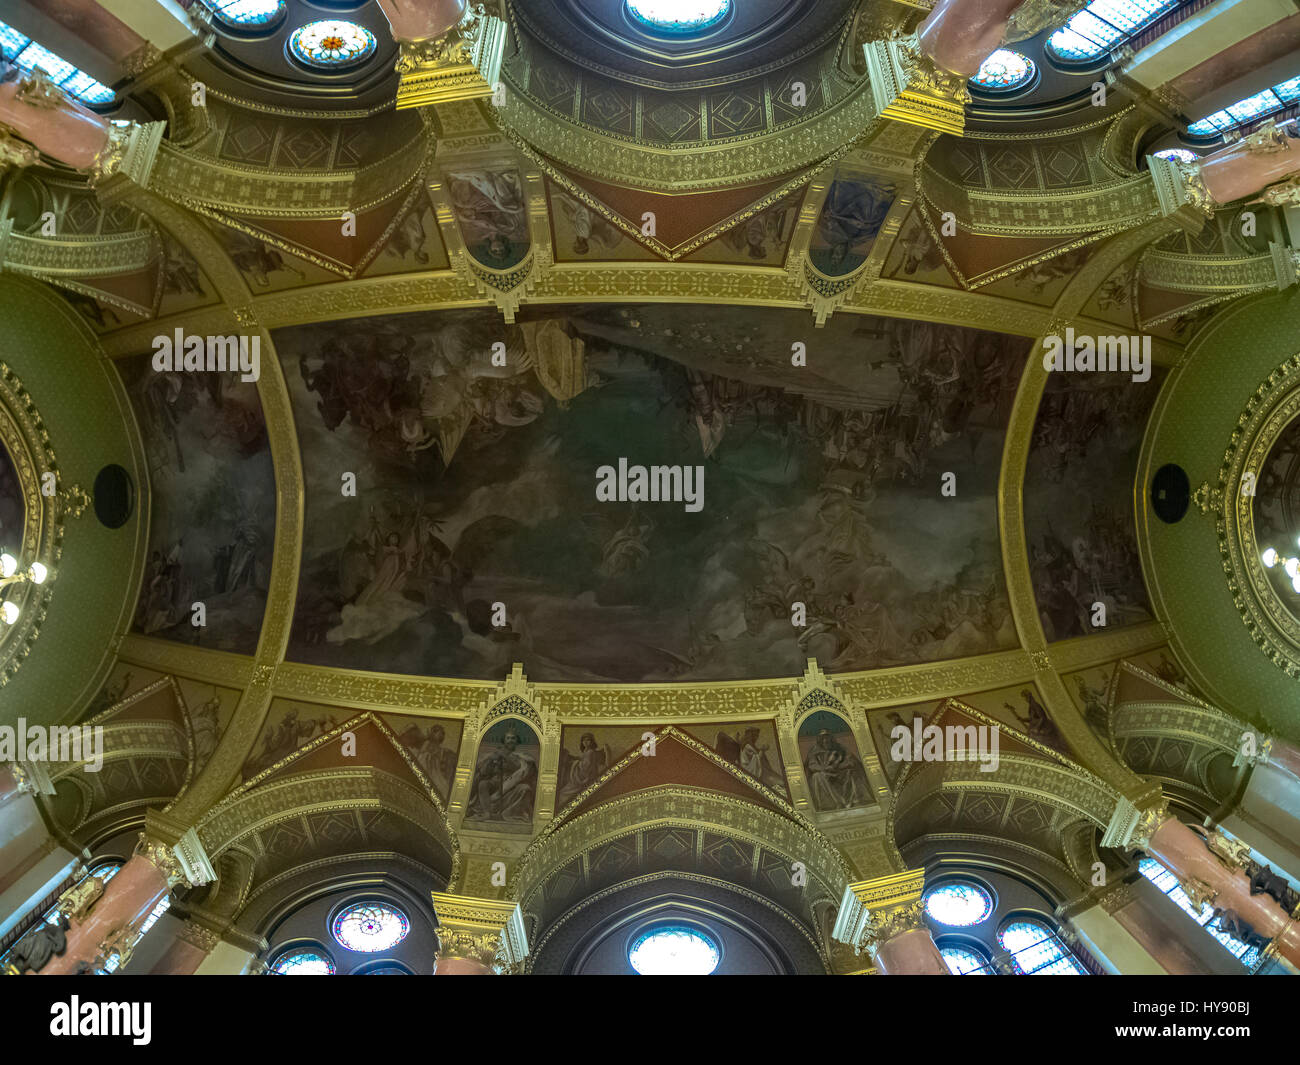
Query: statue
[34, 951]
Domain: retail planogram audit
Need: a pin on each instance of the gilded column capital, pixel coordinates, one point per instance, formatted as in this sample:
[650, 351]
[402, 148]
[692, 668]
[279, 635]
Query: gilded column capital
[872, 912]
[488, 931]
[1132, 828]
[160, 856]
[127, 158]
[463, 64]
[908, 87]
[1180, 190]
[186, 849]
[14, 152]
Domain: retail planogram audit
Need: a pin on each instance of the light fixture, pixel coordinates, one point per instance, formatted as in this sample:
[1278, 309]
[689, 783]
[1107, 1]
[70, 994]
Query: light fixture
[10, 573]
[1269, 557]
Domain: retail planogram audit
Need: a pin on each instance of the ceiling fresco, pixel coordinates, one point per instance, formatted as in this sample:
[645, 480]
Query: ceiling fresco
[476, 537]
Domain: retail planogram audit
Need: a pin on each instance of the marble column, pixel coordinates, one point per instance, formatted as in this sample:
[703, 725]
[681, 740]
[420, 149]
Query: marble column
[1269, 155]
[421, 20]
[958, 35]
[1211, 871]
[885, 917]
[110, 923]
[40, 112]
[478, 937]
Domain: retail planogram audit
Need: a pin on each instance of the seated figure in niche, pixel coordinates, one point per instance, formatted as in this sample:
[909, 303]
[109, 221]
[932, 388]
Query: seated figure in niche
[835, 775]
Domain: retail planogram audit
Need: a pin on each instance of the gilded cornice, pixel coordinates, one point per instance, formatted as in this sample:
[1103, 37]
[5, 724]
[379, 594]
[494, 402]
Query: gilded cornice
[1105, 208]
[209, 184]
[24, 436]
[683, 807]
[1271, 623]
[98, 255]
[741, 160]
[1081, 652]
[1233, 274]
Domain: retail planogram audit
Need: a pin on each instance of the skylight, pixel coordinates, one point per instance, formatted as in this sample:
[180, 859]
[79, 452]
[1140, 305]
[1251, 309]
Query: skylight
[21, 50]
[1103, 25]
[1260, 105]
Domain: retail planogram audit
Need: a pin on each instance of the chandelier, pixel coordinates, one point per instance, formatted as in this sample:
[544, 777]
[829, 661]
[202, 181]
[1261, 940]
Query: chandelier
[1290, 564]
[9, 574]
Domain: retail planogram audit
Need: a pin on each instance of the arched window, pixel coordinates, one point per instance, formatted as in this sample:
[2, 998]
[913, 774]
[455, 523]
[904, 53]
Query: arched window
[369, 927]
[1035, 950]
[330, 44]
[959, 903]
[1003, 71]
[26, 54]
[1261, 105]
[674, 950]
[678, 16]
[1181, 154]
[1103, 25]
[302, 961]
[1168, 883]
[964, 962]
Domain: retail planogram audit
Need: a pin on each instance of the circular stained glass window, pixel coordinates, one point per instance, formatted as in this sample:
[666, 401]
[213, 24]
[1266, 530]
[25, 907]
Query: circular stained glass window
[332, 43]
[1003, 71]
[370, 926]
[959, 904]
[963, 962]
[1181, 154]
[304, 961]
[679, 16]
[675, 950]
[247, 13]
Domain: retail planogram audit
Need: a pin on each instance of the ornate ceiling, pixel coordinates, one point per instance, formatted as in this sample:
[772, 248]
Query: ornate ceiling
[646, 252]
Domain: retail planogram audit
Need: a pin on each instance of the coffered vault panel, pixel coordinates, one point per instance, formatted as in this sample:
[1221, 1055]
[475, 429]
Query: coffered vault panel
[476, 485]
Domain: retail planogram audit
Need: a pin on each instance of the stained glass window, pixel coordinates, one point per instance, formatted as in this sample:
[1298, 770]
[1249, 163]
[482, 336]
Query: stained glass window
[370, 926]
[1181, 154]
[26, 54]
[1168, 883]
[963, 962]
[679, 16]
[164, 904]
[252, 13]
[332, 43]
[1035, 950]
[1251, 108]
[1288, 91]
[1102, 25]
[1003, 71]
[959, 904]
[674, 950]
[303, 961]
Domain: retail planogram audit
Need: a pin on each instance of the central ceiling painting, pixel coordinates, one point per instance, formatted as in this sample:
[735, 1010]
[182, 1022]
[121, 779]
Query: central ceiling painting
[648, 493]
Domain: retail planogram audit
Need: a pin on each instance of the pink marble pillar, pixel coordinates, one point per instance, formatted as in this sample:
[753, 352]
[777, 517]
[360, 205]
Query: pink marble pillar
[127, 900]
[958, 35]
[460, 967]
[1285, 756]
[1184, 853]
[421, 20]
[46, 117]
[1246, 168]
[911, 953]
